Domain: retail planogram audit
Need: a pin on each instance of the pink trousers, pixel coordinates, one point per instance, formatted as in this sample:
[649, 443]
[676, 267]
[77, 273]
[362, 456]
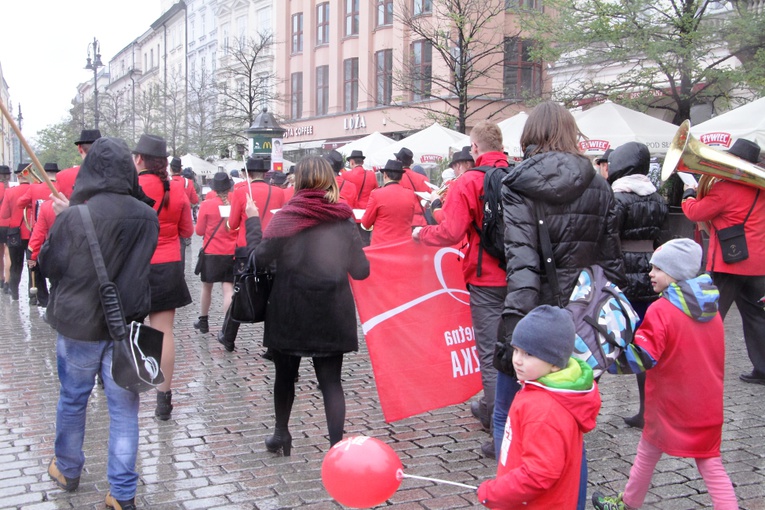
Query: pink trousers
[711, 469]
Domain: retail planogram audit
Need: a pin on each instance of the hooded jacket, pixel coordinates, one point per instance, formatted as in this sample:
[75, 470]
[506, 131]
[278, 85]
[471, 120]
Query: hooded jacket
[684, 333]
[579, 209]
[127, 231]
[540, 460]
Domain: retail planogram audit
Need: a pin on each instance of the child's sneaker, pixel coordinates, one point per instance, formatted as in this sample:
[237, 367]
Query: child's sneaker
[601, 502]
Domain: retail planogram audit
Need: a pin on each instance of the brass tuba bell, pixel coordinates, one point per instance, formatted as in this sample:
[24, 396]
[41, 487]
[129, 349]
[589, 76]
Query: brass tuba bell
[687, 154]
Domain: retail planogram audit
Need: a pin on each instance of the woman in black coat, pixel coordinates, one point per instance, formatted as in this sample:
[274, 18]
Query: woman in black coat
[640, 213]
[315, 246]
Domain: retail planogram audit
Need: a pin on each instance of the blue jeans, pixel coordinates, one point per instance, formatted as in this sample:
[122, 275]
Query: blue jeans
[78, 363]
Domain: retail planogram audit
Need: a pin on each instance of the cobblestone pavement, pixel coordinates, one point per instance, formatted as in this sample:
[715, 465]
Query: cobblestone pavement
[210, 455]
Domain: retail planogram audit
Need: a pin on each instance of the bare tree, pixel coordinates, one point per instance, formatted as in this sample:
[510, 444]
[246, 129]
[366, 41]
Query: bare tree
[244, 86]
[148, 108]
[115, 114]
[174, 114]
[201, 114]
[471, 46]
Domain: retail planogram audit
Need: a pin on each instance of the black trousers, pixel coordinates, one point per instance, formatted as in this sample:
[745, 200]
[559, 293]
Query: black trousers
[17, 266]
[746, 291]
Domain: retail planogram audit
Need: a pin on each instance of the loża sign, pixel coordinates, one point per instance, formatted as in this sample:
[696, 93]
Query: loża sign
[354, 122]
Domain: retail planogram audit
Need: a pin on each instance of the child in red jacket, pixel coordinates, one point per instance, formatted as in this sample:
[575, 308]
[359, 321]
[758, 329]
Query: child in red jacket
[539, 463]
[682, 342]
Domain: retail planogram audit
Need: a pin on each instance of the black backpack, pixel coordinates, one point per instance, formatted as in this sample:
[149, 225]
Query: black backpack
[492, 229]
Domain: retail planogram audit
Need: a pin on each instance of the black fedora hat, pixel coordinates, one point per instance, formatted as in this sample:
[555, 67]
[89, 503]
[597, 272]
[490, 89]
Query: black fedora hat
[357, 155]
[88, 136]
[393, 165]
[5, 170]
[335, 160]
[20, 167]
[176, 164]
[746, 150]
[405, 156]
[461, 156]
[604, 157]
[50, 167]
[151, 145]
[220, 182]
[258, 164]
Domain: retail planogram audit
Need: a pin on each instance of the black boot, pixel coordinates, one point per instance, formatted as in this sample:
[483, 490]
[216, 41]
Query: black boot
[202, 324]
[281, 440]
[164, 407]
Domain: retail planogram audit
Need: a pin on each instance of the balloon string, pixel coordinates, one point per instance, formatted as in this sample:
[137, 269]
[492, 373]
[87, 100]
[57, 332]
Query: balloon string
[440, 481]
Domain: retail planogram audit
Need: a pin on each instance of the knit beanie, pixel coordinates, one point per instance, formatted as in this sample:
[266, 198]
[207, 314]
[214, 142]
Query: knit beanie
[548, 333]
[679, 258]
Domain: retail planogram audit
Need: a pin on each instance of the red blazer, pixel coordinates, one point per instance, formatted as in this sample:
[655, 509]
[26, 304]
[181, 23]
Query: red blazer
[65, 180]
[416, 182]
[348, 190]
[46, 216]
[14, 214]
[35, 195]
[727, 204]
[3, 187]
[260, 194]
[224, 240]
[365, 181]
[188, 187]
[390, 210]
[174, 219]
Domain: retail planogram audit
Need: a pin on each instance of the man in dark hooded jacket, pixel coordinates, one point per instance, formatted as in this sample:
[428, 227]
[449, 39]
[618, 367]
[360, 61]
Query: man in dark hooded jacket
[127, 232]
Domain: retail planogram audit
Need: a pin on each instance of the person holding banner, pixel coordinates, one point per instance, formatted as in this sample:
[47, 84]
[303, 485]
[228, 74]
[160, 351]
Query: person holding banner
[485, 279]
[315, 245]
[390, 209]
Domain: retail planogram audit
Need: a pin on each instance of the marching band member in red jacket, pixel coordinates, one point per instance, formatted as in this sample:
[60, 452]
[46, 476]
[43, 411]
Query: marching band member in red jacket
[390, 209]
[18, 218]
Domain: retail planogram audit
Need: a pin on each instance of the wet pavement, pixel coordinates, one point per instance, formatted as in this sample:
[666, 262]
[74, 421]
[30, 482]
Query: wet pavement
[210, 455]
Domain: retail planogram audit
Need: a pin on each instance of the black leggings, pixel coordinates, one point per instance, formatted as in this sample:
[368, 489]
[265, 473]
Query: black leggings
[328, 373]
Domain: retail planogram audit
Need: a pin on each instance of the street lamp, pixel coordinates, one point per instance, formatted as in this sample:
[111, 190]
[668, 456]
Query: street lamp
[94, 65]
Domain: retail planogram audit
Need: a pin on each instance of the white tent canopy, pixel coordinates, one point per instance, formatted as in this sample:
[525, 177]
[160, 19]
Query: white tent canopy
[429, 146]
[610, 125]
[368, 144]
[511, 128]
[197, 164]
[746, 121]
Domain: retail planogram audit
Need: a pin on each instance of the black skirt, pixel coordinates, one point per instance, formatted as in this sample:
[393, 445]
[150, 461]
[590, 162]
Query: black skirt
[168, 286]
[218, 268]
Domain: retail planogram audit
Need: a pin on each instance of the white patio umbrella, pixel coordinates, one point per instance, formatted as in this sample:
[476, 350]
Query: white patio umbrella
[429, 146]
[197, 164]
[746, 121]
[610, 125]
[368, 144]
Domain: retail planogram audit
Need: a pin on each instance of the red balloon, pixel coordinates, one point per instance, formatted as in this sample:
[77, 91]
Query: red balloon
[361, 472]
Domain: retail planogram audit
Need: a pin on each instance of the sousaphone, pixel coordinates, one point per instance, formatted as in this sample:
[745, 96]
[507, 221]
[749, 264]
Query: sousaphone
[687, 154]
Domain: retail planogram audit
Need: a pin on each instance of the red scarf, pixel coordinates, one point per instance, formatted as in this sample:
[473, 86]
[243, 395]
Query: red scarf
[306, 209]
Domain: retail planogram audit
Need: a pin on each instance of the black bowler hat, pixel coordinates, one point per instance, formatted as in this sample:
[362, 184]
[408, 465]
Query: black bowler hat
[462, 155]
[176, 164]
[20, 167]
[393, 165]
[746, 149]
[88, 136]
[151, 145]
[258, 164]
[357, 155]
[604, 157]
[220, 182]
[5, 170]
[50, 168]
[405, 156]
[335, 159]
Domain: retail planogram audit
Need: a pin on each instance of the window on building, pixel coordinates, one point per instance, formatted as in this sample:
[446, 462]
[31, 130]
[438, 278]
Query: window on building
[522, 77]
[264, 21]
[322, 23]
[297, 32]
[296, 95]
[322, 90]
[422, 7]
[151, 60]
[350, 84]
[535, 5]
[421, 69]
[384, 12]
[224, 40]
[351, 17]
[384, 77]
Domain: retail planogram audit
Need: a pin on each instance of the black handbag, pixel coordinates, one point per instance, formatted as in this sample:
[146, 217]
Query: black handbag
[733, 239]
[13, 239]
[251, 292]
[136, 352]
[201, 254]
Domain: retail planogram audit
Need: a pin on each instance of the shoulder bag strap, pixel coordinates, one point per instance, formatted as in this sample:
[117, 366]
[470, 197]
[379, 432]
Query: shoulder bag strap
[362, 186]
[268, 198]
[95, 249]
[213, 234]
[752, 208]
[414, 188]
[547, 252]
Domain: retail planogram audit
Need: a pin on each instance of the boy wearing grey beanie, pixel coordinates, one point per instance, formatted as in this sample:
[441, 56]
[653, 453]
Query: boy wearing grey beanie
[558, 402]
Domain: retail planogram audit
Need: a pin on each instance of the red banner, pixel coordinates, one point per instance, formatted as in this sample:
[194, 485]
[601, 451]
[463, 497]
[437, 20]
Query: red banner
[415, 314]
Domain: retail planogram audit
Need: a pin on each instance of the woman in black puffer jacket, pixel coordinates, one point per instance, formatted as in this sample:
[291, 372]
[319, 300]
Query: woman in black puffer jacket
[640, 212]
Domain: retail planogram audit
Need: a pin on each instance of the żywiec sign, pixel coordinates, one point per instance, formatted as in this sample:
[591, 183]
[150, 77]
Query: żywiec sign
[718, 138]
[594, 145]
